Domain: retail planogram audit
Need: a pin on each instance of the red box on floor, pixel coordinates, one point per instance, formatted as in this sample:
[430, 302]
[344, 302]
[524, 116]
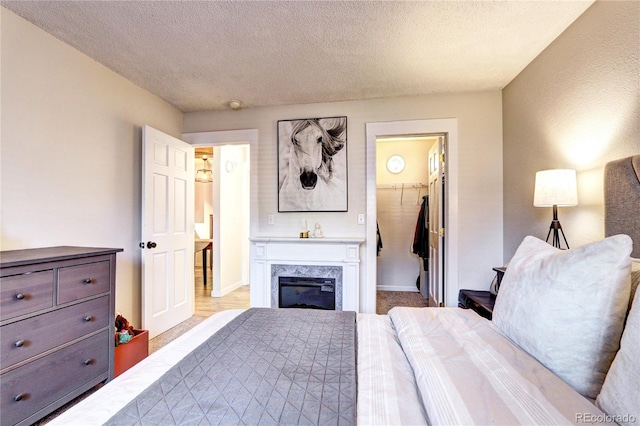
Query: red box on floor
[126, 355]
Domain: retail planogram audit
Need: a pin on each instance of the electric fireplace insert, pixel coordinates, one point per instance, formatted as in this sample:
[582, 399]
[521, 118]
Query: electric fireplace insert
[307, 293]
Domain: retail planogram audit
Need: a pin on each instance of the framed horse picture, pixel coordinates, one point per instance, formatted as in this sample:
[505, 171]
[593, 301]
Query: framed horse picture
[312, 165]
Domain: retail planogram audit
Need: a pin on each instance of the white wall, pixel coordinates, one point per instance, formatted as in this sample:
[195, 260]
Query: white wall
[71, 153]
[479, 158]
[231, 231]
[577, 105]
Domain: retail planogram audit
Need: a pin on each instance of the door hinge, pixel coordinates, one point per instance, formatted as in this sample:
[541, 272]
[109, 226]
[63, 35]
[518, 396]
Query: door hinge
[442, 158]
[441, 232]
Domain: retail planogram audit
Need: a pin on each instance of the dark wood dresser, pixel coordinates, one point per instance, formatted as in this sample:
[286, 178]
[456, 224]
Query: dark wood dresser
[56, 327]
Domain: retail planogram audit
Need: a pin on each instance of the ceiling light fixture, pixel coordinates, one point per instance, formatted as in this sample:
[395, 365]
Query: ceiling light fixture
[395, 164]
[204, 175]
[235, 104]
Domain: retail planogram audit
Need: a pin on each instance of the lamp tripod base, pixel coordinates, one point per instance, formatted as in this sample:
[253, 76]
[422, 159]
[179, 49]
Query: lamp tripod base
[556, 229]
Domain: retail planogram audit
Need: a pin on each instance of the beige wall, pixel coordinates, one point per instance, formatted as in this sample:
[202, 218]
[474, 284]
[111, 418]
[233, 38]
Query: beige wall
[231, 221]
[479, 203]
[70, 163]
[413, 151]
[577, 105]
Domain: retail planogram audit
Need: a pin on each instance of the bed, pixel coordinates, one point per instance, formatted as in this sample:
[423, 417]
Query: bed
[571, 357]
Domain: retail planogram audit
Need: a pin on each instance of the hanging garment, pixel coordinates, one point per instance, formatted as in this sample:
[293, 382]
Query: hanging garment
[421, 235]
[379, 239]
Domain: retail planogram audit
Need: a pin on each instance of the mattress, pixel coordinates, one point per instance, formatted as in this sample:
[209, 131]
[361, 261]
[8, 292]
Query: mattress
[414, 365]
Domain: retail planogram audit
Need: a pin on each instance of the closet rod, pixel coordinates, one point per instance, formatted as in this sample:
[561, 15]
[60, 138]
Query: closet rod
[402, 186]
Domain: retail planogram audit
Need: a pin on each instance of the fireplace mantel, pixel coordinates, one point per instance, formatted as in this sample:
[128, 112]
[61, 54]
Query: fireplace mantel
[268, 251]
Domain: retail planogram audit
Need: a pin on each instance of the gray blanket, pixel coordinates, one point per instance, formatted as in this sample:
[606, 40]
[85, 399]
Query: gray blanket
[267, 366]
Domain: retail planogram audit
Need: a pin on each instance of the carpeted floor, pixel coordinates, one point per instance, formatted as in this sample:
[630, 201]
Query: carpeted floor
[385, 300]
[171, 334]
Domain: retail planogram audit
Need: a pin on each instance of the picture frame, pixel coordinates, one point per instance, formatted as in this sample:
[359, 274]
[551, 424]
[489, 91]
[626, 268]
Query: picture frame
[312, 165]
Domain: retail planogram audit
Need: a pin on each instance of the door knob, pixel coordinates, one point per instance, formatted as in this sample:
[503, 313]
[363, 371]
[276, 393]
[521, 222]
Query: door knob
[151, 245]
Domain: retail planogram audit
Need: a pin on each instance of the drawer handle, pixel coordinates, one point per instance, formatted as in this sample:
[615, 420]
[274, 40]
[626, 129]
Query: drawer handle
[19, 343]
[19, 397]
[88, 318]
[87, 362]
[88, 281]
[20, 296]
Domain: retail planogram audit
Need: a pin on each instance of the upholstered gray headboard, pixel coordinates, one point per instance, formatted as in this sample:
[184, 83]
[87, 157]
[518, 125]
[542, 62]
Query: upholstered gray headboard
[622, 199]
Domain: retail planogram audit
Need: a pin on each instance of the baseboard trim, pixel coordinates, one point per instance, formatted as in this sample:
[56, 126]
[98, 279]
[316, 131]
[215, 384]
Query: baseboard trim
[227, 290]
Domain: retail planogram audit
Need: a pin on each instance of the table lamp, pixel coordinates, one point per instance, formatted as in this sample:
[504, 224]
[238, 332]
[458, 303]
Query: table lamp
[553, 188]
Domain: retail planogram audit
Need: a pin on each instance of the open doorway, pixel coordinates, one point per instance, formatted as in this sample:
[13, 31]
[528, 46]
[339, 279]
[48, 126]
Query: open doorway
[447, 131]
[229, 167]
[222, 218]
[403, 172]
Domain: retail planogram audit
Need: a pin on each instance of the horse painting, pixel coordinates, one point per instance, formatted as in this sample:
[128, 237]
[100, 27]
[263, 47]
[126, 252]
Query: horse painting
[310, 174]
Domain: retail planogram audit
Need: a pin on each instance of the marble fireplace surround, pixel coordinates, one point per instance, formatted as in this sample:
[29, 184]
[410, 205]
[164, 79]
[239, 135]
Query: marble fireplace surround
[312, 271]
[305, 257]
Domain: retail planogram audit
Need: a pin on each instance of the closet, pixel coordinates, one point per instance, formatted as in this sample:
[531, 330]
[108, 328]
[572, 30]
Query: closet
[402, 175]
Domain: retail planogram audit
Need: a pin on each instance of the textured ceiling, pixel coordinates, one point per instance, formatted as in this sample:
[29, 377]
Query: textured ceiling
[199, 55]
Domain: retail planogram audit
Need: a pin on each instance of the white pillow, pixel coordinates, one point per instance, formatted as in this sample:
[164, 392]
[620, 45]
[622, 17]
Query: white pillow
[620, 396]
[566, 308]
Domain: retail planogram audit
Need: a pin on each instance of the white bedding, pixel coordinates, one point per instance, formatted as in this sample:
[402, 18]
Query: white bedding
[387, 395]
[467, 372]
[415, 366]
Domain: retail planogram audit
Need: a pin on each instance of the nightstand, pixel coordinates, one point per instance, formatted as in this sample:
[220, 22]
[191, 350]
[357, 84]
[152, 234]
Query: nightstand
[480, 301]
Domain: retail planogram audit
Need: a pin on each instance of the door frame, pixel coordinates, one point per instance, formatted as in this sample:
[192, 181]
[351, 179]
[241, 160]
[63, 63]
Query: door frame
[406, 128]
[234, 137]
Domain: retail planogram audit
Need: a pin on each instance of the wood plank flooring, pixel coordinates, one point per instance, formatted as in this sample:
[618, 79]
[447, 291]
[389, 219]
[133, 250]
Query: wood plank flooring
[207, 305]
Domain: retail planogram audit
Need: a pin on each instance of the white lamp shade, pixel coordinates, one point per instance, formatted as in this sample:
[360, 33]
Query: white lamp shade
[555, 187]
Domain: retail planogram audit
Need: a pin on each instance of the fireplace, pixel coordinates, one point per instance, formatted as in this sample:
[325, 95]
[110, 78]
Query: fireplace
[275, 257]
[307, 293]
[306, 275]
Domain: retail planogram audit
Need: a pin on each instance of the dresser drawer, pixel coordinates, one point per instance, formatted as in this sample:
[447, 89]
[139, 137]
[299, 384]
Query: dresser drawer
[40, 383]
[77, 282]
[24, 339]
[25, 293]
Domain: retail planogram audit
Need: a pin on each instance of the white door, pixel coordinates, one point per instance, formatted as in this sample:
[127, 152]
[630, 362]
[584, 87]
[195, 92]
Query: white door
[167, 231]
[436, 225]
